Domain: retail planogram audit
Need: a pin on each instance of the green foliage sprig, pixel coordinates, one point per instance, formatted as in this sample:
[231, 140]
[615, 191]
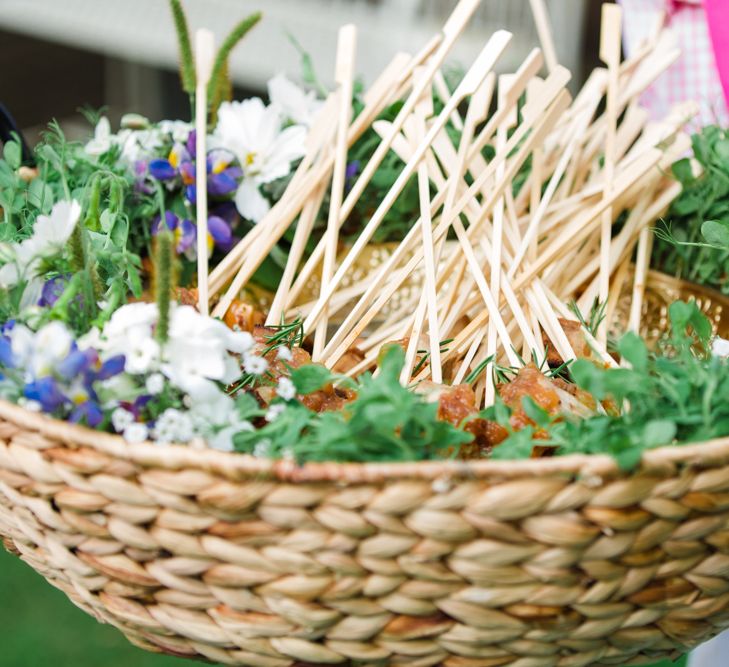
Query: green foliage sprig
[676, 395]
[99, 257]
[386, 422]
[693, 242]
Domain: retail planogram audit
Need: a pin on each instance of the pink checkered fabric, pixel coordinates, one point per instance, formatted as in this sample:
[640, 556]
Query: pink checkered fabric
[694, 76]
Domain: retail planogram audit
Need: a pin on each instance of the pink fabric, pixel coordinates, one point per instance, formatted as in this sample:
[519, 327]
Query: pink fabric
[695, 75]
[717, 12]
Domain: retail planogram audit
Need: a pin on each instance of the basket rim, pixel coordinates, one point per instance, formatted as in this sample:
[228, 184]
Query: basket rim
[663, 461]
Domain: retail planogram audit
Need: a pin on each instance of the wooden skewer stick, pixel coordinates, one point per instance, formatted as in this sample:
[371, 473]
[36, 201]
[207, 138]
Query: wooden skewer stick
[535, 196]
[301, 236]
[544, 30]
[624, 245]
[497, 233]
[527, 70]
[422, 109]
[344, 76]
[467, 362]
[617, 283]
[441, 88]
[610, 31]
[645, 243]
[204, 55]
[580, 124]
[305, 222]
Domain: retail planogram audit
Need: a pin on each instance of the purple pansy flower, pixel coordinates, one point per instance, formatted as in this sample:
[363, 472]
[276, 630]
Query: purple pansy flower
[7, 358]
[88, 412]
[46, 392]
[184, 231]
[223, 180]
[111, 367]
[138, 406]
[76, 362]
[220, 232]
[53, 289]
[162, 170]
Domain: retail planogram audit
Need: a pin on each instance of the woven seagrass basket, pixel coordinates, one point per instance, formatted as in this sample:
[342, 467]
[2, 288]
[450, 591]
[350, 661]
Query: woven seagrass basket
[549, 562]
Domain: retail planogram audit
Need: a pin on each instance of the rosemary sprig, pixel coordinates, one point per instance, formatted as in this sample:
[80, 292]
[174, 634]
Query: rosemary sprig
[594, 319]
[425, 355]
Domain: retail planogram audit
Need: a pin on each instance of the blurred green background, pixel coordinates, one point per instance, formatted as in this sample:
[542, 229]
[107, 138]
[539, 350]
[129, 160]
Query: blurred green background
[39, 627]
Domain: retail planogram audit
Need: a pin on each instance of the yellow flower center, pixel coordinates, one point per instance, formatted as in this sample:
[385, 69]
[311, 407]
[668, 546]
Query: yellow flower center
[79, 397]
[250, 159]
[219, 166]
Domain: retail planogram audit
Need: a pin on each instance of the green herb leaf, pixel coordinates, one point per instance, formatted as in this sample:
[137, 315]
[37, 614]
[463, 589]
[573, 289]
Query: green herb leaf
[633, 348]
[629, 457]
[40, 195]
[658, 432]
[537, 414]
[12, 154]
[716, 232]
[682, 171]
[7, 233]
[310, 378]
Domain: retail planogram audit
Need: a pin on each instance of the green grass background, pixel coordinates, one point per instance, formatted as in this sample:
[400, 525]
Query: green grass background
[39, 627]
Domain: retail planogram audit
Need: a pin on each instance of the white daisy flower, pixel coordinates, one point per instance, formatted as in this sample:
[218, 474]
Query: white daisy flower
[298, 105]
[22, 261]
[254, 133]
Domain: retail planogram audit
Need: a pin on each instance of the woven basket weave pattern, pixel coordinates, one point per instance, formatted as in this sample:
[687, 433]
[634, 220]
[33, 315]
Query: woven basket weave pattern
[561, 562]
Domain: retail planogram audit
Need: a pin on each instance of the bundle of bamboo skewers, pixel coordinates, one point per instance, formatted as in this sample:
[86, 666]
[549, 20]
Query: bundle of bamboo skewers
[495, 266]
